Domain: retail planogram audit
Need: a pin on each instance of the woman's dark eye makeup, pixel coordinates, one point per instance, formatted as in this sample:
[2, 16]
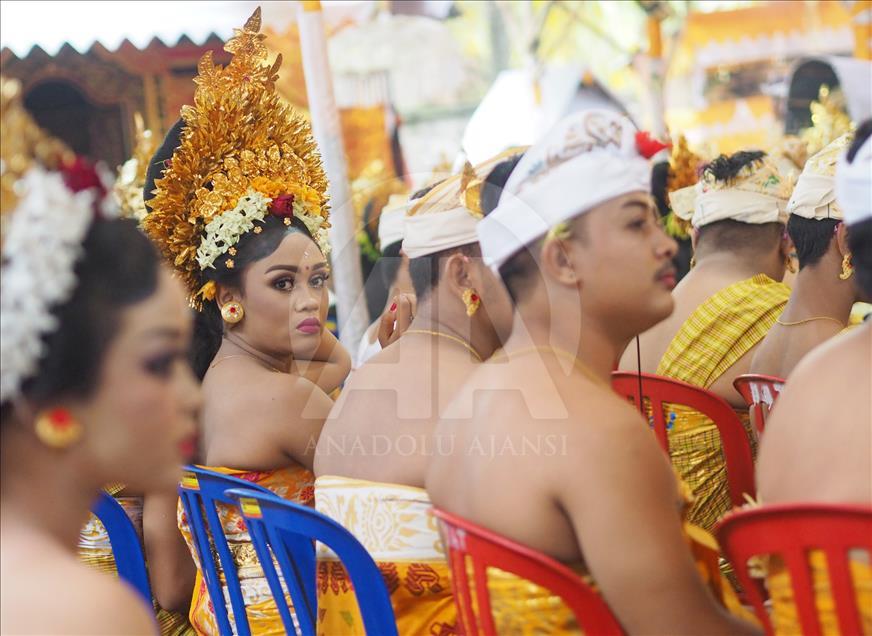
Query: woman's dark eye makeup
[161, 365]
[286, 283]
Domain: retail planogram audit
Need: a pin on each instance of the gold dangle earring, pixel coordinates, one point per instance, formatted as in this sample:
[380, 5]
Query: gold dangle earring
[847, 268]
[471, 300]
[232, 312]
[57, 428]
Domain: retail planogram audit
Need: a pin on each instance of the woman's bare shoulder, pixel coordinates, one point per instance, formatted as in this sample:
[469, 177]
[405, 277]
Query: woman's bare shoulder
[53, 593]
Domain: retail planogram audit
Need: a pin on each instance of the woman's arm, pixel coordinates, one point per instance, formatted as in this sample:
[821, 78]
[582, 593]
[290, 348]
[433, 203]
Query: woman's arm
[329, 366]
[170, 566]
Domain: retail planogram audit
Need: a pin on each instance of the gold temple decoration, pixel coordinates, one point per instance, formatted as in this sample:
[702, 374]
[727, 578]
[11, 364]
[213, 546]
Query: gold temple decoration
[24, 144]
[684, 167]
[828, 118]
[241, 145]
[131, 175]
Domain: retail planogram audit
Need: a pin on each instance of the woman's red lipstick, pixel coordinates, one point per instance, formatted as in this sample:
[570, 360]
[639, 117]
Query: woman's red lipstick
[310, 326]
[188, 448]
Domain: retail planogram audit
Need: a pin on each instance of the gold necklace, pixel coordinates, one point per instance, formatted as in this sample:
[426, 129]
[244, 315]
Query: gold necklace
[242, 355]
[802, 322]
[579, 366]
[461, 341]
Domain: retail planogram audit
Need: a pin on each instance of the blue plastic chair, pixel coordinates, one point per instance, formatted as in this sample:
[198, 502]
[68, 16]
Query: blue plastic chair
[200, 490]
[126, 548]
[281, 527]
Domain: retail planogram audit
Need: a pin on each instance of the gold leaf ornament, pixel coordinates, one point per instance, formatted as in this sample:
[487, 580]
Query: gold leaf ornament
[239, 140]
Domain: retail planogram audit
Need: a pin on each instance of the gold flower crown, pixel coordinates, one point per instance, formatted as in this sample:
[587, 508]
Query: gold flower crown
[243, 155]
[132, 174]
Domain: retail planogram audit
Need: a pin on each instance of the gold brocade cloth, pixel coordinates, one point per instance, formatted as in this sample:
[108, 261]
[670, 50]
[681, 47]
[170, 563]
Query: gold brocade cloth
[293, 483]
[713, 338]
[395, 525]
[522, 608]
[784, 617]
[95, 550]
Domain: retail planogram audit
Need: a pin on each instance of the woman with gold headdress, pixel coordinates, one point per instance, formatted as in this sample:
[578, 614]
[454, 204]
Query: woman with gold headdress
[241, 211]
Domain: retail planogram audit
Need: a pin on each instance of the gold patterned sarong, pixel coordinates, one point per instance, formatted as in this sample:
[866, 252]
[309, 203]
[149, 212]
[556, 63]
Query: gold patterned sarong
[784, 616]
[395, 525]
[293, 483]
[95, 550]
[712, 339]
[523, 608]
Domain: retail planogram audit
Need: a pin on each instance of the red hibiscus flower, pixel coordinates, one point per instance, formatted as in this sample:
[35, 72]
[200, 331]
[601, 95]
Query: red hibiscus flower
[81, 175]
[647, 145]
[282, 206]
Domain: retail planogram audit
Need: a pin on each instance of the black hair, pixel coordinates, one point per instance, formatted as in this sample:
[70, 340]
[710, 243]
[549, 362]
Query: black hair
[725, 168]
[860, 234]
[811, 237]
[516, 271]
[730, 235]
[159, 161]
[118, 268]
[252, 247]
[389, 263]
[426, 270]
[659, 184]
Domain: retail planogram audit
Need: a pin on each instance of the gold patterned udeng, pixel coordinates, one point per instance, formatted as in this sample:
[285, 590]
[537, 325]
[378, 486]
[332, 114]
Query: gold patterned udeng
[238, 136]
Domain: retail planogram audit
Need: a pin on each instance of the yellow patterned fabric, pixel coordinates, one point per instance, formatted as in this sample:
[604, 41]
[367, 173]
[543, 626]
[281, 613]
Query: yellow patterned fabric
[395, 525]
[293, 483]
[784, 616]
[523, 608]
[713, 338]
[95, 550]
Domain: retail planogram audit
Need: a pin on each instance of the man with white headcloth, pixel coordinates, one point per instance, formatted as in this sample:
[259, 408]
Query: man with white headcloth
[372, 454]
[545, 452]
[823, 292]
[818, 439]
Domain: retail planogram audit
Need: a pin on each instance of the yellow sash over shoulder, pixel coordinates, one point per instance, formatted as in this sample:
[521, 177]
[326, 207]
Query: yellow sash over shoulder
[95, 550]
[293, 483]
[713, 338]
[395, 525]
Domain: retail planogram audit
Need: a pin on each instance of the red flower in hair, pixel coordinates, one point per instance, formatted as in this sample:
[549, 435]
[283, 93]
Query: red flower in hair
[647, 145]
[282, 206]
[81, 175]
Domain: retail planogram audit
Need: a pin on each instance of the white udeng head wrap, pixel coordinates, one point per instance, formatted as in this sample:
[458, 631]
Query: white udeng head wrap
[585, 160]
[814, 196]
[449, 214]
[854, 184]
[758, 194]
[392, 220]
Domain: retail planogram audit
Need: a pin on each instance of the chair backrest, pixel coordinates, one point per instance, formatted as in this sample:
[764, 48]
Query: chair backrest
[734, 440]
[468, 543]
[759, 393]
[791, 531]
[285, 528]
[126, 547]
[200, 490]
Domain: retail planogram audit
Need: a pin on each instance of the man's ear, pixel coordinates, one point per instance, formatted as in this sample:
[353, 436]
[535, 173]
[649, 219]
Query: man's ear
[456, 275]
[842, 240]
[556, 262]
[694, 237]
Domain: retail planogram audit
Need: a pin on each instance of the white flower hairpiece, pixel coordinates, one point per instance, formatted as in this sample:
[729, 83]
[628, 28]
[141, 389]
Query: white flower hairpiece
[42, 245]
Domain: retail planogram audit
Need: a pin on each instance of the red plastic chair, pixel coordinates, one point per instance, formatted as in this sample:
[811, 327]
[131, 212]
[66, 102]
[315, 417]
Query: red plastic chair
[759, 393]
[790, 531]
[734, 439]
[483, 548]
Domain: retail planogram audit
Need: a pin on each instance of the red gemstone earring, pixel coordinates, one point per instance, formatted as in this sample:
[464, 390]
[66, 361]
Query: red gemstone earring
[56, 428]
[232, 312]
[471, 300]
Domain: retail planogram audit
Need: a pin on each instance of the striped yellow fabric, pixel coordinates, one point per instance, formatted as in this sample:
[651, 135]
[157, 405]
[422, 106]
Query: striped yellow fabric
[723, 329]
[719, 332]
